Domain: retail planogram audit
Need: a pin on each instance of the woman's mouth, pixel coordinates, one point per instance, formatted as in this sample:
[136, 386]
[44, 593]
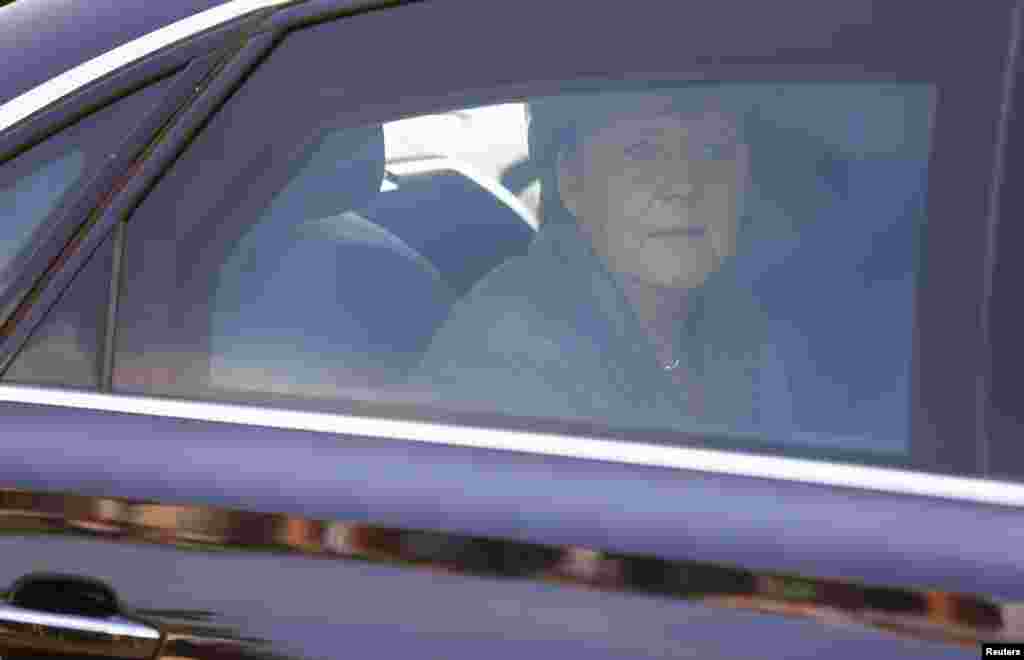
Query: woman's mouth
[695, 231]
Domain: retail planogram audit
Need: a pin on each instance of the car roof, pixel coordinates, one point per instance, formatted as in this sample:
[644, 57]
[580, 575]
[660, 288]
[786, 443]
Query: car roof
[40, 39]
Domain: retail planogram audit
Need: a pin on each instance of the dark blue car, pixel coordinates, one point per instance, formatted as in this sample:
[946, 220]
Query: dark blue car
[460, 329]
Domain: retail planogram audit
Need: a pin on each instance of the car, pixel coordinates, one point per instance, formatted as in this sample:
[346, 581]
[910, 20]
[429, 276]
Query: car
[237, 234]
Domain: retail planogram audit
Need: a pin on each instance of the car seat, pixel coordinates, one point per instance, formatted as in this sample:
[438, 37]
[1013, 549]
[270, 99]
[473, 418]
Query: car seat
[315, 298]
[450, 218]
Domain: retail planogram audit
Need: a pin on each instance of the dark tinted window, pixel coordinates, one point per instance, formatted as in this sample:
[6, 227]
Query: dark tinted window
[66, 348]
[307, 270]
[37, 184]
[28, 200]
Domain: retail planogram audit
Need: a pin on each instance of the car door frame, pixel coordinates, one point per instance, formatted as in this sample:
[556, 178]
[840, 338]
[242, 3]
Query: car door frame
[69, 240]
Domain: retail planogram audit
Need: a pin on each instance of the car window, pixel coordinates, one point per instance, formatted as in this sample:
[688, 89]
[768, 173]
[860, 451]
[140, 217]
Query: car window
[703, 261]
[36, 187]
[706, 269]
[38, 183]
[66, 348]
[766, 251]
[357, 216]
[33, 197]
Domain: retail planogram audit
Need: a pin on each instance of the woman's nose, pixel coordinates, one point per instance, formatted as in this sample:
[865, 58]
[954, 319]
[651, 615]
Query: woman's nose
[677, 181]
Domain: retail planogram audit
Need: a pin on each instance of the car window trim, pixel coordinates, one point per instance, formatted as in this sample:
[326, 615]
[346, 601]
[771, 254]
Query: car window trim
[222, 83]
[92, 97]
[990, 442]
[1005, 321]
[53, 231]
[127, 80]
[65, 84]
[78, 232]
[717, 461]
[494, 483]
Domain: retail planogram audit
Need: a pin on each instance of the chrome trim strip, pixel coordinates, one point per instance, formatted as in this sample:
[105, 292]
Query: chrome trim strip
[112, 626]
[60, 86]
[881, 479]
[107, 367]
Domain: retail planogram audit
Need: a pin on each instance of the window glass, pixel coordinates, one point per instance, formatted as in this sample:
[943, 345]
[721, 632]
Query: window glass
[738, 261]
[65, 349]
[704, 258]
[32, 198]
[36, 184]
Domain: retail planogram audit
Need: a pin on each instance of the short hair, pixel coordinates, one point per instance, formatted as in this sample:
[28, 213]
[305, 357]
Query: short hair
[559, 124]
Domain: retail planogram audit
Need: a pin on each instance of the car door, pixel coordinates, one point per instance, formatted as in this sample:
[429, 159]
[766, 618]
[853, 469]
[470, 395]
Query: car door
[251, 472]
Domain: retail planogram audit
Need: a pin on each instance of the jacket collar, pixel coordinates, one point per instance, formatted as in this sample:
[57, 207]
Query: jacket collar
[637, 372]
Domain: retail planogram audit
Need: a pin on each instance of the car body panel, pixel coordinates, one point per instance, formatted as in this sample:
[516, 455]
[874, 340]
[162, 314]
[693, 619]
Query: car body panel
[121, 33]
[567, 598]
[754, 532]
[245, 529]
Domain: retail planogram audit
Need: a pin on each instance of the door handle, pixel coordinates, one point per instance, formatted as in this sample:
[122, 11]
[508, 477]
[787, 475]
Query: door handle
[67, 615]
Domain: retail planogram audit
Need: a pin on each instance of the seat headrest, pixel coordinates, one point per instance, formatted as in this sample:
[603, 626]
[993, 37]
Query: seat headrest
[342, 171]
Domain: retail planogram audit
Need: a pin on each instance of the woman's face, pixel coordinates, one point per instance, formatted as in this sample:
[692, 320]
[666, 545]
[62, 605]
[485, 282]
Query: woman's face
[658, 192]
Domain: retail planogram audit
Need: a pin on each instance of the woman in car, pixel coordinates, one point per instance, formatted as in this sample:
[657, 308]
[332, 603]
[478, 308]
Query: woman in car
[628, 307]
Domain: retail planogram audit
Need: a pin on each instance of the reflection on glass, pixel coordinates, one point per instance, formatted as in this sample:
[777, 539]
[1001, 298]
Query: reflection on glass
[64, 350]
[962, 619]
[25, 202]
[734, 260]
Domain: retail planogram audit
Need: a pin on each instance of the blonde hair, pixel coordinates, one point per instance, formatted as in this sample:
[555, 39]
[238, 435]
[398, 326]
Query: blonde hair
[559, 124]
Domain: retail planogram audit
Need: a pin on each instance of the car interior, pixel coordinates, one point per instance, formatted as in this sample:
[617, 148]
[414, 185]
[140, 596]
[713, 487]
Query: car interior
[460, 227]
[419, 242]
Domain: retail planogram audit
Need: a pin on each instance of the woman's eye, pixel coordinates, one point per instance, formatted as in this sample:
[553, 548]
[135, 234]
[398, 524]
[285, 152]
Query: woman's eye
[643, 151]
